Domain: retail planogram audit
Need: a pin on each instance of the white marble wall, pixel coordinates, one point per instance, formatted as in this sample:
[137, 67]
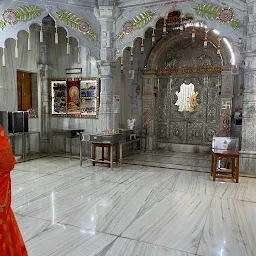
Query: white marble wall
[28, 61]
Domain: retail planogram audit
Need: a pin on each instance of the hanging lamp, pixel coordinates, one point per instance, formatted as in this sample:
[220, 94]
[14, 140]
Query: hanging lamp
[153, 36]
[131, 57]
[193, 34]
[56, 36]
[68, 46]
[164, 28]
[78, 55]
[29, 42]
[41, 35]
[218, 47]
[205, 41]
[16, 49]
[122, 65]
[142, 46]
[3, 57]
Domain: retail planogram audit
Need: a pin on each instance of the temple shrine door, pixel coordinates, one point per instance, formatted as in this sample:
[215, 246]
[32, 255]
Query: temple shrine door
[184, 127]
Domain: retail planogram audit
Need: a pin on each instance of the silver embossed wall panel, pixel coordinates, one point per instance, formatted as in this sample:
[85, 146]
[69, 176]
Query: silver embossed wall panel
[161, 109]
[197, 127]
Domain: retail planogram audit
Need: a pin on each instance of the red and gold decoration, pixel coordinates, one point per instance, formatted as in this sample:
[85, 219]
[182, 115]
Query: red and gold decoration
[81, 25]
[153, 36]
[193, 35]
[10, 16]
[184, 71]
[205, 41]
[128, 27]
[73, 97]
[226, 15]
[223, 15]
[84, 27]
[21, 13]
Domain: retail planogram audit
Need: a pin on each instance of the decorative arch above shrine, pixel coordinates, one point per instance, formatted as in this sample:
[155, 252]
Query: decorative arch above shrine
[176, 51]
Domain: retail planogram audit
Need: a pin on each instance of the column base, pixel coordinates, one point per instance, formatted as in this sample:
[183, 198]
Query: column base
[248, 162]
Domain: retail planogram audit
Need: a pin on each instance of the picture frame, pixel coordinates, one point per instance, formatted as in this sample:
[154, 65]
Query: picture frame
[76, 97]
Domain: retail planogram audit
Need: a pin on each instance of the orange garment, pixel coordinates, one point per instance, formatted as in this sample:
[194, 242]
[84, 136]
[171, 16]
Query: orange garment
[11, 241]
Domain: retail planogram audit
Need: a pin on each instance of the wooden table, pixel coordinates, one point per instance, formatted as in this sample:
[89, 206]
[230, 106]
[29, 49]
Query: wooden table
[218, 172]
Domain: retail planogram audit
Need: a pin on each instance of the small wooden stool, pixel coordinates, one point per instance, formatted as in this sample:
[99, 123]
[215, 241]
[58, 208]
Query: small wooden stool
[233, 173]
[102, 160]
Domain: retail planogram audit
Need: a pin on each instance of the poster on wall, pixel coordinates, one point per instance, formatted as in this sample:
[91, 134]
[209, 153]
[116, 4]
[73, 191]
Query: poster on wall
[88, 107]
[89, 93]
[77, 97]
[73, 97]
[59, 97]
[88, 88]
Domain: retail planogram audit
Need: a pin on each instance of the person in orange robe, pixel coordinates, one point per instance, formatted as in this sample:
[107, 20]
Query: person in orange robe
[11, 241]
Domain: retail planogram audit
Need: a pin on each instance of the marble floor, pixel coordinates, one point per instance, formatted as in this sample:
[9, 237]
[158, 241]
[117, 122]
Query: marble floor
[139, 209]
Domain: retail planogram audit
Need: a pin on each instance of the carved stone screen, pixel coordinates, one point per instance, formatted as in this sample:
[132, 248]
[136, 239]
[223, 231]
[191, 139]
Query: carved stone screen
[185, 127]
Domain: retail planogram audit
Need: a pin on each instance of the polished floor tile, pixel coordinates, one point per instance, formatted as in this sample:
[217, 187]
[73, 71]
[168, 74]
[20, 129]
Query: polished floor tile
[61, 240]
[195, 183]
[244, 190]
[65, 209]
[128, 247]
[230, 229]
[176, 222]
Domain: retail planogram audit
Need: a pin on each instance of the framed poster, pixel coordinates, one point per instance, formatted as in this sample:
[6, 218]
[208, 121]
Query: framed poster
[59, 97]
[89, 97]
[77, 97]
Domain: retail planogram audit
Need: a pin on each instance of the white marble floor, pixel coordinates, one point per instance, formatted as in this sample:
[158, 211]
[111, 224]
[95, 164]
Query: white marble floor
[137, 210]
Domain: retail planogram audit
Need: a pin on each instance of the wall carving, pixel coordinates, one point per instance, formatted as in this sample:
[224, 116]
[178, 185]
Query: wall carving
[223, 15]
[21, 13]
[74, 21]
[184, 54]
[139, 21]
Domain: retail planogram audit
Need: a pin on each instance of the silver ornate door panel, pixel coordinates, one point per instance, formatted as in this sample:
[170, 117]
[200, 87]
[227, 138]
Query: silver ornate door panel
[195, 132]
[162, 110]
[197, 127]
[177, 132]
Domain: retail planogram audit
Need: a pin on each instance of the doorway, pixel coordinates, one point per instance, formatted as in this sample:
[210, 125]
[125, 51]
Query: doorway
[24, 90]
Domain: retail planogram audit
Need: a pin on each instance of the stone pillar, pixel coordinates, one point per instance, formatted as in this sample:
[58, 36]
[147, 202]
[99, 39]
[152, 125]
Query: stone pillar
[248, 152]
[136, 88]
[44, 75]
[108, 119]
[148, 107]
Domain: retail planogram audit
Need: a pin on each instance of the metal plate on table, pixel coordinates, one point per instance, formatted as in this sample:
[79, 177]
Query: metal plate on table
[96, 138]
